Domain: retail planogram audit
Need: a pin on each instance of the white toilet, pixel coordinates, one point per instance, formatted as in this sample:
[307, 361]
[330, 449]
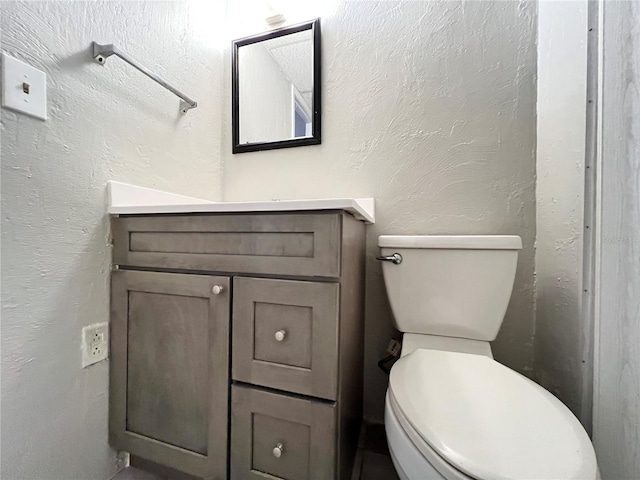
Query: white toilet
[452, 412]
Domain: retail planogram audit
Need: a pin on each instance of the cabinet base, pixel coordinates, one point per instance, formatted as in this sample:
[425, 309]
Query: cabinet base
[160, 470]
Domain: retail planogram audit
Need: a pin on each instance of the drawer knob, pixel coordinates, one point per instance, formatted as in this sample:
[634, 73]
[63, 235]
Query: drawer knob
[280, 336]
[277, 450]
[217, 289]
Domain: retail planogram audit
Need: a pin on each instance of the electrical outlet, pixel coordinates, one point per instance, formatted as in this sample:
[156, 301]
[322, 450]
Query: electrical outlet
[95, 343]
[394, 347]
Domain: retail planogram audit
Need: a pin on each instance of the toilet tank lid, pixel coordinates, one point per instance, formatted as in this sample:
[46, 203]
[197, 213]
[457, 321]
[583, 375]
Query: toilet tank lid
[471, 242]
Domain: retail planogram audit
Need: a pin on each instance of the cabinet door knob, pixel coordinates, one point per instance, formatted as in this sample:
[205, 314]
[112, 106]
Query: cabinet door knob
[217, 289]
[280, 335]
[277, 450]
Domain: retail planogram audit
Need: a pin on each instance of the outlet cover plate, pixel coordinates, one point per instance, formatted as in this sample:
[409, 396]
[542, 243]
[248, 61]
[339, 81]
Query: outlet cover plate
[95, 343]
[24, 88]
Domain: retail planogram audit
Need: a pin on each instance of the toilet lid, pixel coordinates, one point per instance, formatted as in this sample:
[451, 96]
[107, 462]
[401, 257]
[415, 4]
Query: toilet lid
[487, 420]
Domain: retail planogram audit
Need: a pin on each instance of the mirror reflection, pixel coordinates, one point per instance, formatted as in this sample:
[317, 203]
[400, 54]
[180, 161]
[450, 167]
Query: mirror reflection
[276, 87]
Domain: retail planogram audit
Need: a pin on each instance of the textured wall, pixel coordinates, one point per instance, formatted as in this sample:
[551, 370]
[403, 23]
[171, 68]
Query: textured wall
[430, 108]
[562, 353]
[104, 123]
[616, 420]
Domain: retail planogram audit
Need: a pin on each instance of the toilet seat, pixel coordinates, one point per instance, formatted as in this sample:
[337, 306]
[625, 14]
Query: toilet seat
[485, 420]
[411, 462]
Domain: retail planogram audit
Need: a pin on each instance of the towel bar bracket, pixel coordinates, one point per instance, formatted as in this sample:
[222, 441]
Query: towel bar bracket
[102, 52]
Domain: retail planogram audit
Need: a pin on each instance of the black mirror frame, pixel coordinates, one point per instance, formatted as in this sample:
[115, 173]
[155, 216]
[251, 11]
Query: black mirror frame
[315, 138]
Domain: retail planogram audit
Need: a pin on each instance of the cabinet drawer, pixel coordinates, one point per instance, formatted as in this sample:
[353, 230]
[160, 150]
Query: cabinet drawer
[280, 437]
[285, 335]
[289, 244]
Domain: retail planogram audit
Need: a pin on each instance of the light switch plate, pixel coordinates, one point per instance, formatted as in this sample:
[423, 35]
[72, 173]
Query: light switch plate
[24, 88]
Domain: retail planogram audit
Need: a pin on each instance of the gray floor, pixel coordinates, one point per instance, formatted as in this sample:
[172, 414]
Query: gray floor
[132, 473]
[372, 463]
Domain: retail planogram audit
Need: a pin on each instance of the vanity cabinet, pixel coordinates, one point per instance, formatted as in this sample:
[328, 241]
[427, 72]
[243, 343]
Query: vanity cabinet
[237, 343]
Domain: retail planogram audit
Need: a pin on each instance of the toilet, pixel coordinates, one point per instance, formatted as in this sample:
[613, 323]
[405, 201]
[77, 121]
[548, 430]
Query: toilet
[452, 412]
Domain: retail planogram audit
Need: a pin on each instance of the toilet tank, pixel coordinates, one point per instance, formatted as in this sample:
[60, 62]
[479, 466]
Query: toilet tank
[454, 286]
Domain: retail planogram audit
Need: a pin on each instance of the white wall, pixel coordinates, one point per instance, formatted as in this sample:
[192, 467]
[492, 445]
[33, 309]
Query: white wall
[616, 420]
[430, 108]
[104, 123]
[562, 338]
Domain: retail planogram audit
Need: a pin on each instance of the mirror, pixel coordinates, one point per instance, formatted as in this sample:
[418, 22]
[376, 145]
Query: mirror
[276, 89]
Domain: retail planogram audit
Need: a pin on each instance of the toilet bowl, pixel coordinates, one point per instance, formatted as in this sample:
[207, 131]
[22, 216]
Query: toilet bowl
[452, 412]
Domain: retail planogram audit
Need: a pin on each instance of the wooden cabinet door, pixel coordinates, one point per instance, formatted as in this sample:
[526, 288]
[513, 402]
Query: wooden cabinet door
[170, 370]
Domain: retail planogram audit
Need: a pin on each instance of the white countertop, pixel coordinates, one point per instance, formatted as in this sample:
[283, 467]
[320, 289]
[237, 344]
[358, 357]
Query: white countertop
[126, 199]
